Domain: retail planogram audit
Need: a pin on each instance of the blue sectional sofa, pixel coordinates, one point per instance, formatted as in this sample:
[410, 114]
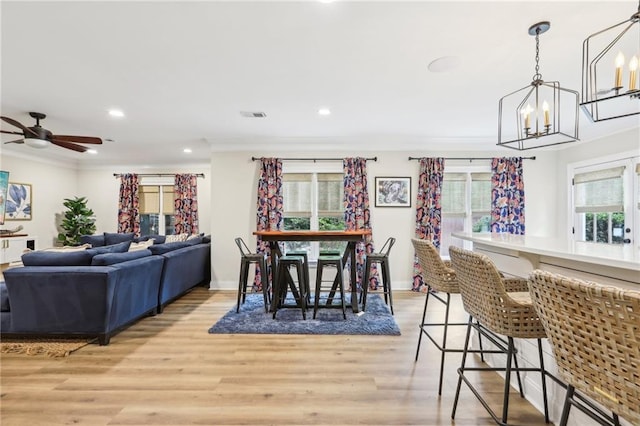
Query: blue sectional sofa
[98, 291]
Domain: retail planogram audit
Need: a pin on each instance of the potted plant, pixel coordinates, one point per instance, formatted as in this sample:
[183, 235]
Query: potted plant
[78, 220]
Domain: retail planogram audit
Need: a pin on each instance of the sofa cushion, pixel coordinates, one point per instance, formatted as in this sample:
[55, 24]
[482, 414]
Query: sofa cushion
[206, 239]
[115, 238]
[94, 240]
[113, 248]
[4, 298]
[194, 241]
[45, 258]
[107, 259]
[167, 247]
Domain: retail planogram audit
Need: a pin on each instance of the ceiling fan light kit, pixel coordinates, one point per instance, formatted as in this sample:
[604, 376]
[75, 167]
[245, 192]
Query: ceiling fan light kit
[541, 114]
[39, 137]
[610, 86]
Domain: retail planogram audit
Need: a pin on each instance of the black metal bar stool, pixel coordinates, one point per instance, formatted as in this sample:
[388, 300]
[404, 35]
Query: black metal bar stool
[247, 259]
[285, 282]
[333, 262]
[305, 258]
[383, 259]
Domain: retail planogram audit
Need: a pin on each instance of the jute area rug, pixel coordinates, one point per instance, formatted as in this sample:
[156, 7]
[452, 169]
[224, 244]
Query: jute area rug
[46, 347]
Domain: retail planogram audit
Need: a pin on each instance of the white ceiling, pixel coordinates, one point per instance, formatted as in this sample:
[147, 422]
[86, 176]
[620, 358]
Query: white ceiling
[183, 71]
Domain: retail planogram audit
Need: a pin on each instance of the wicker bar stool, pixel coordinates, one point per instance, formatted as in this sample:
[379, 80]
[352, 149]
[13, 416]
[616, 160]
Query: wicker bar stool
[383, 259]
[504, 307]
[594, 331]
[440, 277]
[285, 282]
[248, 258]
[336, 263]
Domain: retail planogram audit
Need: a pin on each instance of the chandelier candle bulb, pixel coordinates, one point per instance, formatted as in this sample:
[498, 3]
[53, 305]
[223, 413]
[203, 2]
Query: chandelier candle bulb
[619, 65]
[633, 69]
[545, 108]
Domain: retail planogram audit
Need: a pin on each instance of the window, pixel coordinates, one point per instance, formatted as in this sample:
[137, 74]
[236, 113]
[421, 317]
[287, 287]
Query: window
[156, 207]
[313, 201]
[603, 199]
[466, 206]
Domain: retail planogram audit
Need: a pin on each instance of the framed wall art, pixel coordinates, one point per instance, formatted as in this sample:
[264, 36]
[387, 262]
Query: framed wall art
[393, 192]
[18, 203]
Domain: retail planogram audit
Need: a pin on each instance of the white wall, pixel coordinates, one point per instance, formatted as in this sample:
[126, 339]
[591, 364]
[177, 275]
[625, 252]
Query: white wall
[234, 186]
[102, 188]
[51, 183]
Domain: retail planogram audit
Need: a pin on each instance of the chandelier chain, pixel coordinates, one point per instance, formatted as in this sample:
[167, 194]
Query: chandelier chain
[537, 75]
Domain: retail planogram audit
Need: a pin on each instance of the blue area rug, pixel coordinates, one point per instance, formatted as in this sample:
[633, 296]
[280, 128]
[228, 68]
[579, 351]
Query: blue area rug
[252, 319]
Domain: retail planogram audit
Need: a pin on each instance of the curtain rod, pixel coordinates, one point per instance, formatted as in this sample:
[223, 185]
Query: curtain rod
[313, 159]
[157, 174]
[470, 158]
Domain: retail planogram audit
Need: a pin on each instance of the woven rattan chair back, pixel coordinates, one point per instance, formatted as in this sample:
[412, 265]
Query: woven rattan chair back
[594, 332]
[486, 298]
[435, 271]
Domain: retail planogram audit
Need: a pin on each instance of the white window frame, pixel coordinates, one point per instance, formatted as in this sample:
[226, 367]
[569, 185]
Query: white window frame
[314, 169]
[158, 181]
[468, 217]
[630, 183]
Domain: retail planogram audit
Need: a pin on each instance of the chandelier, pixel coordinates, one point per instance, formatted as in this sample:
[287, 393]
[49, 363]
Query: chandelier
[540, 114]
[608, 89]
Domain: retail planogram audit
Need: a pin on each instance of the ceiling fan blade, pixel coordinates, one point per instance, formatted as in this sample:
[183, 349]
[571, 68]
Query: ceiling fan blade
[16, 141]
[77, 139]
[69, 145]
[11, 133]
[27, 131]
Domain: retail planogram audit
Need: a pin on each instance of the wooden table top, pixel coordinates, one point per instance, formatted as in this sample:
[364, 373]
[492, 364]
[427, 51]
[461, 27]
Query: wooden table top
[313, 235]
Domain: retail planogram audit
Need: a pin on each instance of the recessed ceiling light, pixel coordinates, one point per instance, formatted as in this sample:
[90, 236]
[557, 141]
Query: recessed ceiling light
[116, 113]
[92, 151]
[444, 64]
[187, 151]
[324, 111]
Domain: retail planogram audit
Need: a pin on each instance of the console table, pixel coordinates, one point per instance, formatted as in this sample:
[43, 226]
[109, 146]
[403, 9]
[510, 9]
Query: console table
[12, 246]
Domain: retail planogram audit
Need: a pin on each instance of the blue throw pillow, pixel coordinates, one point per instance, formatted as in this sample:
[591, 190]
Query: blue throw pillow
[113, 248]
[115, 238]
[167, 247]
[194, 241]
[107, 259]
[206, 239]
[94, 240]
[44, 258]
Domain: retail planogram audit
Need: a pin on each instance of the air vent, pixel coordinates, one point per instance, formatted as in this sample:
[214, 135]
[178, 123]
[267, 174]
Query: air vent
[250, 114]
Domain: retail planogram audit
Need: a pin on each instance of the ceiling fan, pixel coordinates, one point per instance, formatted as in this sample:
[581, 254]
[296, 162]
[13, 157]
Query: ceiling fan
[39, 137]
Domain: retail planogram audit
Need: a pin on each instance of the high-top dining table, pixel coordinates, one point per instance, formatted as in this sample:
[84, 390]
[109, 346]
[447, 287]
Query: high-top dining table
[351, 237]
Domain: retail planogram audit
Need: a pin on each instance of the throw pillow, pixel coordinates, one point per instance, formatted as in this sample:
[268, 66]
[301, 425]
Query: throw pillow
[176, 237]
[107, 259]
[115, 238]
[194, 241]
[142, 245]
[94, 240]
[192, 236]
[67, 249]
[113, 248]
[45, 258]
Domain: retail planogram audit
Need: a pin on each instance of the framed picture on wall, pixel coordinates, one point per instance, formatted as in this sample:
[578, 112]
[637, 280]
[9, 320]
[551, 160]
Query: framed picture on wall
[393, 192]
[18, 204]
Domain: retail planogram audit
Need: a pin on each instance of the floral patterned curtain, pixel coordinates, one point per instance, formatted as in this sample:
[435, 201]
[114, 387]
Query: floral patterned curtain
[186, 204]
[507, 196]
[357, 214]
[129, 204]
[428, 210]
[269, 209]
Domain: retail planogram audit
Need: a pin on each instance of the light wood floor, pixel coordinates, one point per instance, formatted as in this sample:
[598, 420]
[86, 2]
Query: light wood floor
[167, 370]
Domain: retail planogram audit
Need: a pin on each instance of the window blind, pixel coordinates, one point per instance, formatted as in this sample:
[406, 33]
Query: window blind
[599, 191]
[454, 188]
